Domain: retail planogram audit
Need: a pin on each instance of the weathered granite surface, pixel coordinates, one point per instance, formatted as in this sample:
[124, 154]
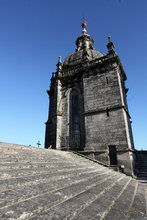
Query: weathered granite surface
[44, 184]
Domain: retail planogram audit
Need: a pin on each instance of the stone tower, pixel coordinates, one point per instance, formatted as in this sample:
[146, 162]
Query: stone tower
[88, 110]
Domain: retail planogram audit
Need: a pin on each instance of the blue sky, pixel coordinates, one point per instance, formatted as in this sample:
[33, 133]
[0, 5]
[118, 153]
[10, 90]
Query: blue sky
[33, 33]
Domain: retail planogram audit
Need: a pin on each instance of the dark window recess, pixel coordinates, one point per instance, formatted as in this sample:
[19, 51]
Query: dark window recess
[112, 155]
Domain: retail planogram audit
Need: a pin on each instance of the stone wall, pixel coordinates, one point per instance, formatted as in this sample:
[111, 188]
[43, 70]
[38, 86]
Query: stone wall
[101, 91]
[102, 130]
[104, 111]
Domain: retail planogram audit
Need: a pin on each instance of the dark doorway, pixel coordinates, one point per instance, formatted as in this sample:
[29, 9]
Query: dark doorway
[112, 155]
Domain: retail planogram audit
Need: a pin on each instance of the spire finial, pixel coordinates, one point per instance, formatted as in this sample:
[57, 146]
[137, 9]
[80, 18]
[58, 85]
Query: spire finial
[84, 25]
[59, 59]
[84, 41]
[110, 45]
[109, 39]
[59, 65]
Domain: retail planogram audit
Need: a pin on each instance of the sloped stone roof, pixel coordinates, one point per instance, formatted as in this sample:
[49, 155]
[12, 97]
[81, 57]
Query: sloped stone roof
[44, 184]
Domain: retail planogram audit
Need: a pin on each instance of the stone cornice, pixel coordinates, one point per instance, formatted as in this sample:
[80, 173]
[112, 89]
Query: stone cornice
[110, 108]
[104, 63]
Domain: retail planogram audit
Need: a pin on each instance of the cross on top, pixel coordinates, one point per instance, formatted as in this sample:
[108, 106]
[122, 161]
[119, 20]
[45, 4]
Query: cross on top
[38, 143]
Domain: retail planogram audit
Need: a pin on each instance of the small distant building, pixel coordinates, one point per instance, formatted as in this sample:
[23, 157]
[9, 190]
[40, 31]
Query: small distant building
[88, 110]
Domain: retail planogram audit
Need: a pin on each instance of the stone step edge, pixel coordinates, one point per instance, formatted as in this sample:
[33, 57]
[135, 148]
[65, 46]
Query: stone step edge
[114, 201]
[109, 188]
[56, 189]
[51, 179]
[86, 205]
[29, 167]
[88, 187]
[45, 172]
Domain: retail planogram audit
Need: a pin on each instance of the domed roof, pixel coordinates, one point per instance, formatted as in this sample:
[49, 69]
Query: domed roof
[81, 55]
[84, 49]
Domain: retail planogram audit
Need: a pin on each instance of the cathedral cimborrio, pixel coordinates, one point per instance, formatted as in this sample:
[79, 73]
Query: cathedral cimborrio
[88, 110]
